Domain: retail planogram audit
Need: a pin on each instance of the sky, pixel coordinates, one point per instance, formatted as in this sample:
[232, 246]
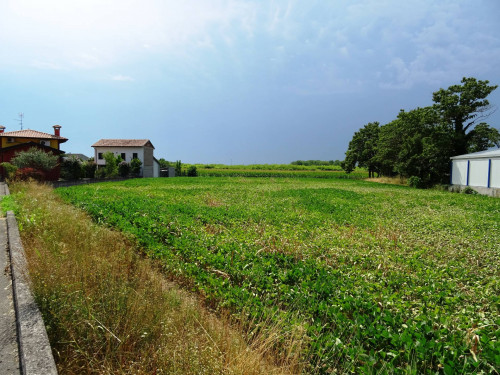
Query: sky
[236, 81]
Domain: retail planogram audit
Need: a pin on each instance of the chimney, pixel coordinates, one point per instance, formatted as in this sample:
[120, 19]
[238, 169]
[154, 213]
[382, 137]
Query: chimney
[2, 128]
[57, 130]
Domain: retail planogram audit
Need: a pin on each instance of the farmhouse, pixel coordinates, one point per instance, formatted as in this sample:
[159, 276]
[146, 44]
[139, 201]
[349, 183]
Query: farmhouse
[129, 149]
[22, 140]
[480, 170]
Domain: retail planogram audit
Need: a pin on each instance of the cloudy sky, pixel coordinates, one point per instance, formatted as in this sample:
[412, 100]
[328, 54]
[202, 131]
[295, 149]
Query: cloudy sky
[235, 81]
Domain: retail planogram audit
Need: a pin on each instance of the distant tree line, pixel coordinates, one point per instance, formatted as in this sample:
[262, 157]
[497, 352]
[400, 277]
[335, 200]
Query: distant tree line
[316, 162]
[418, 144]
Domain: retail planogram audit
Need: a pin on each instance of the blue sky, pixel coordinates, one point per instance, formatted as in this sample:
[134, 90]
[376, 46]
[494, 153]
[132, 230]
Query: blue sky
[235, 81]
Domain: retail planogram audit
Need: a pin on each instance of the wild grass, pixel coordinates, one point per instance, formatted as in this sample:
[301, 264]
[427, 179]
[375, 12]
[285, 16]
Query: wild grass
[109, 310]
[397, 180]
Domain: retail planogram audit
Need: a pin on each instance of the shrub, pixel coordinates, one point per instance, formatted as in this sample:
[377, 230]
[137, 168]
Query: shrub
[416, 182]
[123, 169]
[469, 190]
[36, 159]
[178, 168]
[100, 173]
[71, 169]
[10, 170]
[192, 172]
[111, 167]
[89, 169]
[25, 174]
[135, 166]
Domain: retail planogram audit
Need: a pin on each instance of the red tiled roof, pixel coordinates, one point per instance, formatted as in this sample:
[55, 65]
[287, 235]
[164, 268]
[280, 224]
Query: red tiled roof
[28, 133]
[123, 143]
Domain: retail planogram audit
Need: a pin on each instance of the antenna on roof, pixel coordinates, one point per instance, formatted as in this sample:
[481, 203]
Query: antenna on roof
[21, 115]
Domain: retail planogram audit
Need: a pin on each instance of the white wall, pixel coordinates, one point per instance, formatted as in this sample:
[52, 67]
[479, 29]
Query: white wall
[478, 172]
[495, 173]
[459, 172]
[129, 151]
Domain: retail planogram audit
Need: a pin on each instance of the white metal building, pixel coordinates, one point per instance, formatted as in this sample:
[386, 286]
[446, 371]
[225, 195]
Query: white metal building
[480, 170]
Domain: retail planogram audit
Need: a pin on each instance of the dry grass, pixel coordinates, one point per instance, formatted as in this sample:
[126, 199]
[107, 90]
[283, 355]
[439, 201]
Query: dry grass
[110, 311]
[389, 180]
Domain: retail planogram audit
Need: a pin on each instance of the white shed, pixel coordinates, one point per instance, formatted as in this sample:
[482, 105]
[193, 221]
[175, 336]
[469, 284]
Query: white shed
[480, 170]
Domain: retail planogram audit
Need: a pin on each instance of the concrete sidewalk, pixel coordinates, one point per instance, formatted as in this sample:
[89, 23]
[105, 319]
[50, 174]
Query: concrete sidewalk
[9, 350]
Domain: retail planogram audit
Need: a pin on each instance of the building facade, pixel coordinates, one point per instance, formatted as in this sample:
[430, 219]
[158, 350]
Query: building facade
[13, 142]
[479, 170]
[129, 149]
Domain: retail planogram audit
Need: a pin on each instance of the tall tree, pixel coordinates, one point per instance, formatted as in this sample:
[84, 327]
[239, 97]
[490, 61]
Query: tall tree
[482, 137]
[362, 149]
[462, 106]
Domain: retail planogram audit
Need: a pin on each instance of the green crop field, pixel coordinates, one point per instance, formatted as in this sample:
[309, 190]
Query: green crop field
[375, 278]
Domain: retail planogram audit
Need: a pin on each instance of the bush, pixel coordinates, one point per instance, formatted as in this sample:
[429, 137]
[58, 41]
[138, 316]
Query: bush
[36, 159]
[89, 169]
[100, 173]
[10, 170]
[135, 166]
[111, 166]
[25, 174]
[192, 172]
[416, 182]
[469, 190]
[178, 168]
[71, 169]
[123, 169]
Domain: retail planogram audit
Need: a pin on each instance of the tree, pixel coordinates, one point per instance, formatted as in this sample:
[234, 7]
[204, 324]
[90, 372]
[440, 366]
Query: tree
[424, 146]
[111, 167]
[89, 167]
[164, 163]
[362, 149]
[71, 168]
[135, 166]
[482, 137]
[192, 172]
[123, 169]
[178, 168]
[462, 106]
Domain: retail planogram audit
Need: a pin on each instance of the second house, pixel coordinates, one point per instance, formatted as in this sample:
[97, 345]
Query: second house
[129, 149]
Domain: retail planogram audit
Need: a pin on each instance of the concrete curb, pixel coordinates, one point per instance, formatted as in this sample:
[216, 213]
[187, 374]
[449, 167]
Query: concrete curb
[35, 353]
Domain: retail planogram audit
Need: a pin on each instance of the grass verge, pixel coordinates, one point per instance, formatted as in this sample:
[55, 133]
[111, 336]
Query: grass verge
[109, 310]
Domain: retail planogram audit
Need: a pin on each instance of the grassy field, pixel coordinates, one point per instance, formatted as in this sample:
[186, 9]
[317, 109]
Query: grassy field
[373, 278]
[109, 310]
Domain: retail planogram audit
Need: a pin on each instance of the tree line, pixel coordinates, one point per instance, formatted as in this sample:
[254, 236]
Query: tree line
[418, 144]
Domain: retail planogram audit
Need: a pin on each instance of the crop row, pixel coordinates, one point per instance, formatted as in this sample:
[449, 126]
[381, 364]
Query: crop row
[378, 278]
[300, 173]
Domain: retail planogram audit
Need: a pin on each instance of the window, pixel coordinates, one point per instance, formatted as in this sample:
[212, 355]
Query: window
[134, 155]
[99, 156]
[123, 156]
[10, 140]
[45, 143]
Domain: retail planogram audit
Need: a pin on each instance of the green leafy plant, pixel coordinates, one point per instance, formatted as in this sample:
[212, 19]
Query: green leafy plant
[10, 169]
[36, 159]
[111, 167]
[123, 169]
[135, 166]
[192, 172]
[71, 168]
[379, 278]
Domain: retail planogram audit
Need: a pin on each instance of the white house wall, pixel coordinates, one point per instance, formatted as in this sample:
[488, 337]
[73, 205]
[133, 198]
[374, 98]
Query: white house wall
[495, 173]
[129, 151]
[478, 173]
[459, 172]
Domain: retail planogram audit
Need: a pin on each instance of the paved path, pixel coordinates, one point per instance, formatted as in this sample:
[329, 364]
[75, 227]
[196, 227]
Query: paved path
[9, 352]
